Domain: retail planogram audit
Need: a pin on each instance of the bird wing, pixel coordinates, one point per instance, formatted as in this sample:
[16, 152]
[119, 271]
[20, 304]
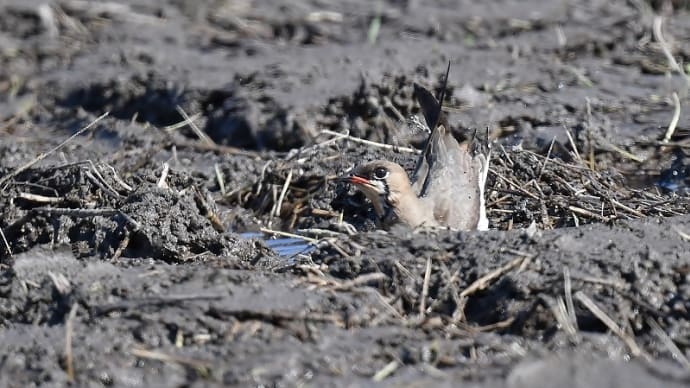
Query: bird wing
[435, 120]
[453, 183]
[448, 177]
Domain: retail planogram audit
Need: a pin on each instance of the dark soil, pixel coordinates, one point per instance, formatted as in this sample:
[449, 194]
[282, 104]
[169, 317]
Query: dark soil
[122, 258]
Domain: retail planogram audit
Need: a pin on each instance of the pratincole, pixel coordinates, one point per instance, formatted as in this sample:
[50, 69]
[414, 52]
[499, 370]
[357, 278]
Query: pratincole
[446, 188]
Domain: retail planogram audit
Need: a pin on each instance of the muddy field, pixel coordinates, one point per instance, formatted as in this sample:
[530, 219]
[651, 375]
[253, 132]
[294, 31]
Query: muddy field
[151, 151]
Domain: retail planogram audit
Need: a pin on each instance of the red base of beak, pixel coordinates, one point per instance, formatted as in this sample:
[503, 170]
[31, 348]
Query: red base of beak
[357, 180]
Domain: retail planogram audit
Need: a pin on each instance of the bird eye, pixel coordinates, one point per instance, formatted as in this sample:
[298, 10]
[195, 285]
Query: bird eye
[380, 173]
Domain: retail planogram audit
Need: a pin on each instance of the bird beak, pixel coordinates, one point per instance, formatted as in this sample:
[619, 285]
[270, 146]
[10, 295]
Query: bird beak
[364, 184]
[367, 186]
[354, 179]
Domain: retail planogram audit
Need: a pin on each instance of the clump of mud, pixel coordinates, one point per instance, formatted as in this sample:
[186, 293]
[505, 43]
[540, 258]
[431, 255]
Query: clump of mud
[163, 214]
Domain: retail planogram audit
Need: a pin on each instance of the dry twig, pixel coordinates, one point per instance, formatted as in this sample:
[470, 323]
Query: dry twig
[286, 234]
[5, 242]
[604, 318]
[659, 36]
[425, 288]
[386, 371]
[674, 121]
[568, 289]
[51, 151]
[677, 354]
[286, 185]
[197, 131]
[370, 143]
[486, 280]
[39, 198]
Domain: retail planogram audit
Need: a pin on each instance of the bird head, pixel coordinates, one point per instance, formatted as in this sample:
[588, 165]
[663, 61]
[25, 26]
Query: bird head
[382, 182]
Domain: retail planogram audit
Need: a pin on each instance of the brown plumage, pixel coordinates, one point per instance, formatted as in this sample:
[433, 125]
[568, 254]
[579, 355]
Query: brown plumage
[387, 187]
[449, 179]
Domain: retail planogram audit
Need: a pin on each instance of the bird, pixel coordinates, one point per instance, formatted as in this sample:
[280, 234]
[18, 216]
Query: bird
[446, 188]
